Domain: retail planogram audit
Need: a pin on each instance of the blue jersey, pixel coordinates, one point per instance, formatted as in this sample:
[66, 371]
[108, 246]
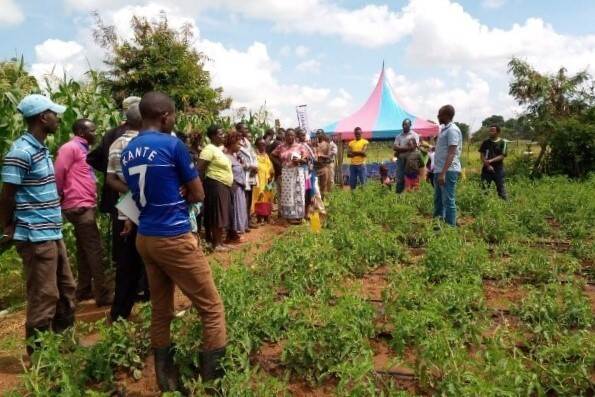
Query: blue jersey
[155, 166]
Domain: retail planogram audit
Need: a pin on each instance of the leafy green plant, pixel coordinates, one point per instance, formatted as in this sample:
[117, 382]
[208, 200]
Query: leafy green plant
[555, 308]
[319, 341]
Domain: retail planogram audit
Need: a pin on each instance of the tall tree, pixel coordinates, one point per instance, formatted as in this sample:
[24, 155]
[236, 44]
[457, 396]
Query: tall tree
[549, 98]
[464, 130]
[15, 83]
[494, 119]
[160, 58]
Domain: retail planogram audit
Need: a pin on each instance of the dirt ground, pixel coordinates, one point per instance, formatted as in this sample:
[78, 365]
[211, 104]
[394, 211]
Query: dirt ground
[398, 369]
[12, 329]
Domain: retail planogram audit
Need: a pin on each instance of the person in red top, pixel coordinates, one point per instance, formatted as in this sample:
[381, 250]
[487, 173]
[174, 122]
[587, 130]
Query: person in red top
[76, 185]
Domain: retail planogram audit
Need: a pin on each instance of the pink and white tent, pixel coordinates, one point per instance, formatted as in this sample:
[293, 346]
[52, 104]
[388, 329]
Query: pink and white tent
[381, 117]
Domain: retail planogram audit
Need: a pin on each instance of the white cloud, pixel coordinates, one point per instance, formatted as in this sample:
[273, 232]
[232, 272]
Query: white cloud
[370, 25]
[471, 53]
[473, 96]
[10, 13]
[176, 17]
[54, 58]
[301, 51]
[493, 3]
[464, 41]
[285, 51]
[250, 78]
[309, 66]
[340, 104]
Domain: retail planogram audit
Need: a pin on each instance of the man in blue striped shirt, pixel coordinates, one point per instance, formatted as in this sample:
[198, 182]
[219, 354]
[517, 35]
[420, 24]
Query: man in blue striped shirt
[30, 215]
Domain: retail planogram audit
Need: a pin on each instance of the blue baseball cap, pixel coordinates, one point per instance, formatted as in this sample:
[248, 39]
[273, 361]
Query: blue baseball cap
[32, 105]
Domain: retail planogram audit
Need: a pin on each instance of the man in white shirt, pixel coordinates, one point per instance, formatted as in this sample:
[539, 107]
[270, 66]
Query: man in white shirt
[402, 149]
[333, 151]
[447, 166]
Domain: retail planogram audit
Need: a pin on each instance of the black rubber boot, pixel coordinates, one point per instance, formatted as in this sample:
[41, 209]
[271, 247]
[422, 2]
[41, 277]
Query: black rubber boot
[210, 364]
[165, 369]
[60, 325]
[30, 335]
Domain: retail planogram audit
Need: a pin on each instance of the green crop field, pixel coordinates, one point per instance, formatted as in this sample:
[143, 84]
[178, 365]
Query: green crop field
[385, 301]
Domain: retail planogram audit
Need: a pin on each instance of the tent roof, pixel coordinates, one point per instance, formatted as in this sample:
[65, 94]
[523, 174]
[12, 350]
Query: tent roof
[381, 117]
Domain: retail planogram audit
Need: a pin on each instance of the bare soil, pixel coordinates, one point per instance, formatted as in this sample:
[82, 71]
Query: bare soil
[501, 297]
[13, 328]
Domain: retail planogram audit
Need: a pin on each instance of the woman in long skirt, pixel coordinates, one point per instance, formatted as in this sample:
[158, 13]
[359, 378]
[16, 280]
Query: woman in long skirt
[262, 199]
[293, 156]
[239, 215]
[215, 169]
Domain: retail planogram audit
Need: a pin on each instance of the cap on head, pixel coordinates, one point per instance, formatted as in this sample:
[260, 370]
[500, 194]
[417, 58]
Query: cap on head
[32, 105]
[131, 100]
[133, 115]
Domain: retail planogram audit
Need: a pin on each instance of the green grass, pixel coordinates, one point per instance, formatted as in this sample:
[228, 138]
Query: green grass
[299, 295]
[12, 289]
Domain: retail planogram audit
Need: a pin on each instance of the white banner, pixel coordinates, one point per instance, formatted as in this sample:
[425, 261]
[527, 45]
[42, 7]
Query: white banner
[302, 116]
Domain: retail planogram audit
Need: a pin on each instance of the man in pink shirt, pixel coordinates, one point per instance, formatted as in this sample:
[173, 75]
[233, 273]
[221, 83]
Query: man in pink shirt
[77, 188]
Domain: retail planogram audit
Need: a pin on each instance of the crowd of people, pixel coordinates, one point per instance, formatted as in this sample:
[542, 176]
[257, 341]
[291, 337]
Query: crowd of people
[229, 186]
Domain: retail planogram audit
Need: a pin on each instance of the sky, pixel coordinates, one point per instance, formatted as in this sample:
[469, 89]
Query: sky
[327, 54]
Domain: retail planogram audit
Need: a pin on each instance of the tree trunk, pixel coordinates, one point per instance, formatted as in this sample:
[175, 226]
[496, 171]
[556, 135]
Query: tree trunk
[539, 160]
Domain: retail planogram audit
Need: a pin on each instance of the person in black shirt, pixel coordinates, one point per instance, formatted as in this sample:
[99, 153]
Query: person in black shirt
[97, 158]
[492, 152]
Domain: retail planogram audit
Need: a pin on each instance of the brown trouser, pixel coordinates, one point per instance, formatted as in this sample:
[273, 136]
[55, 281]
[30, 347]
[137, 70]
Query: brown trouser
[324, 179]
[50, 285]
[89, 255]
[179, 260]
[331, 177]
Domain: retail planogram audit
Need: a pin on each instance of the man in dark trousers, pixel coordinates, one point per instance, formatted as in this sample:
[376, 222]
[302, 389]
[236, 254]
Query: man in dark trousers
[492, 152]
[129, 265]
[98, 158]
[30, 215]
[77, 188]
[161, 175]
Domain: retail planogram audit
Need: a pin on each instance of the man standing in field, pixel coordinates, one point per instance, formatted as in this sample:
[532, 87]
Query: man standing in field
[77, 188]
[322, 163]
[492, 152]
[357, 153]
[447, 166]
[402, 147]
[333, 151]
[129, 265]
[30, 215]
[163, 179]
[98, 158]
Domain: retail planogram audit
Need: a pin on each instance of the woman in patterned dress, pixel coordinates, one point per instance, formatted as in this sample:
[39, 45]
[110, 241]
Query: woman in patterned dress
[293, 156]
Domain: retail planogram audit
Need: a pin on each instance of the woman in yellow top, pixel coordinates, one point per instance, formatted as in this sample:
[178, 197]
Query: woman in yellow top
[357, 154]
[215, 169]
[262, 196]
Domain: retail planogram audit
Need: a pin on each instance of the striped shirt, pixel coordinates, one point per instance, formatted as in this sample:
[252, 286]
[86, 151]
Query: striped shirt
[28, 165]
[114, 166]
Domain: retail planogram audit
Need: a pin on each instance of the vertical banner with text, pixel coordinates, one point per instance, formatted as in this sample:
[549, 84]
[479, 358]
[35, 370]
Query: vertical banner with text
[302, 116]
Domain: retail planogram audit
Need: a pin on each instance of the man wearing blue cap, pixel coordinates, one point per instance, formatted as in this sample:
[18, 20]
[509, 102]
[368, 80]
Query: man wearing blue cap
[30, 215]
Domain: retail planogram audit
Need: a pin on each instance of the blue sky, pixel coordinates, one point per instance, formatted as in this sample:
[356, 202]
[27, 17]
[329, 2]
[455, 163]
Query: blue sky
[327, 53]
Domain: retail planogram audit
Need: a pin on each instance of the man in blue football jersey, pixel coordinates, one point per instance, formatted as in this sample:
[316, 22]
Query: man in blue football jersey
[161, 175]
